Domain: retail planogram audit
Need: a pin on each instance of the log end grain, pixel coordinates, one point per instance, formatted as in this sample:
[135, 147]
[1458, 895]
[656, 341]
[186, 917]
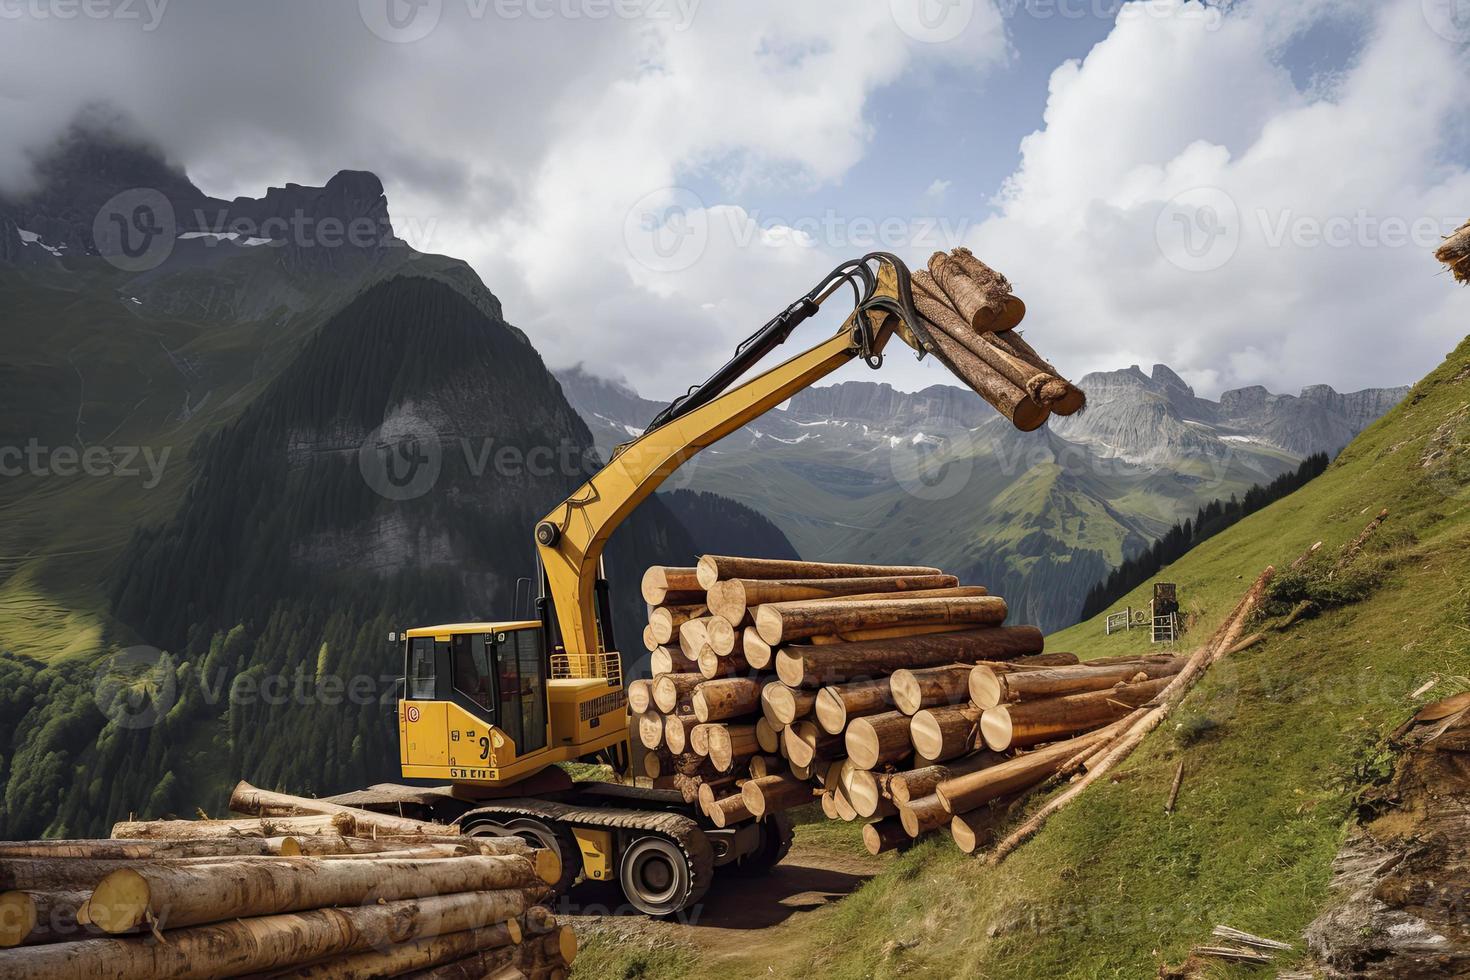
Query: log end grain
[120, 902]
[831, 712]
[996, 728]
[986, 688]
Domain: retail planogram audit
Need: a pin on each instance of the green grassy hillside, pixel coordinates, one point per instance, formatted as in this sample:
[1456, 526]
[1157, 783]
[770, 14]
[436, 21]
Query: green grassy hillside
[1278, 741]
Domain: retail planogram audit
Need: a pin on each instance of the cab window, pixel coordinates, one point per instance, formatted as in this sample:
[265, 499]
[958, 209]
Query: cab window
[421, 669]
[473, 677]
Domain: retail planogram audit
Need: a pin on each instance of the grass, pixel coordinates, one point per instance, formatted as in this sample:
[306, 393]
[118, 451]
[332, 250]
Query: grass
[1279, 743]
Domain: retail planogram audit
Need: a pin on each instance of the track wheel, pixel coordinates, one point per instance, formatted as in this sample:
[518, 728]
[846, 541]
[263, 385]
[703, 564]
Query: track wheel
[550, 835]
[657, 877]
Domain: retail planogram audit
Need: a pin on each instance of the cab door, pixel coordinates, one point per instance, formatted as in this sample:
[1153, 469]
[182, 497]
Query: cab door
[519, 659]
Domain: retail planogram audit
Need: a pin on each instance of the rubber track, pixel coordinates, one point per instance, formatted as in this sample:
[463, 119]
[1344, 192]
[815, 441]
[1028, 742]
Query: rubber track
[683, 831]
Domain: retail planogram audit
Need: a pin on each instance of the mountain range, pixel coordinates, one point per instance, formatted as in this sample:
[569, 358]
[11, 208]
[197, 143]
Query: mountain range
[860, 471]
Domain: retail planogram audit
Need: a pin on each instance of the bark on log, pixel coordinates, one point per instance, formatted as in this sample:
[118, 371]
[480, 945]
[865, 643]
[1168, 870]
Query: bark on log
[718, 568]
[177, 896]
[784, 705]
[671, 691]
[663, 585]
[257, 945]
[788, 621]
[733, 598]
[836, 705]
[255, 827]
[731, 697]
[987, 688]
[885, 835]
[803, 743]
[919, 816]
[772, 794]
[914, 690]
[946, 732]
[1003, 310]
[666, 620]
[121, 850]
[640, 696]
[728, 811]
[978, 306]
[877, 739]
[976, 829]
[1030, 723]
[420, 954]
[248, 799]
[676, 731]
[910, 785]
[962, 794]
[812, 666]
[890, 632]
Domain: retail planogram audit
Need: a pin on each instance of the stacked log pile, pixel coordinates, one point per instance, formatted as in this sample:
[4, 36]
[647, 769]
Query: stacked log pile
[347, 894]
[889, 694]
[971, 316]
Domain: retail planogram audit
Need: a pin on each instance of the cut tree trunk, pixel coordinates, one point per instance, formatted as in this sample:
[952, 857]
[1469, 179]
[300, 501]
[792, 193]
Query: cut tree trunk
[420, 954]
[885, 835]
[721, 636]
[914, 690]
[257, 945]
[671, 691]
[812, 666]
[803, 743]
[946, 732]
[671, 586]
[121, 850]
[177, 896]
[676, 731]
[1006, 398]
[974, 830]
[693, 636]
[666, 620]
[730, 697]
[661, 661]
[640, 696]
[758, 653]
[262, 803]
[784, 705]
[964, 793]
[733, 598]
[988, 688]
[260, 827]
[889, 632]
[719, 568]
[765, 765]
[919, 816]
[712, 666]
[699, 739]
[784, 622]
[772, 794]
[874, 740]
[32, 916]
[651, 729]
[906, 786]
[1030, 723]
[768, 738]
[730, 745]
[835, 706]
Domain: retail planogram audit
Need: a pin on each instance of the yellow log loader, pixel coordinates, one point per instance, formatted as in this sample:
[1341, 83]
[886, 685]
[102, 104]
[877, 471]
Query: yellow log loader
[488, 710]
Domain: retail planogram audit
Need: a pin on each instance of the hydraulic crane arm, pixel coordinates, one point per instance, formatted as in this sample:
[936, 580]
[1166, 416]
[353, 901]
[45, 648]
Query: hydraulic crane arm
[572, 537]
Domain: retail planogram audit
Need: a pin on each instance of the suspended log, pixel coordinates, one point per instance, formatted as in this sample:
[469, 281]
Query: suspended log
[693, 636]
[730, 697]
[758, 653]
[179, 896]
[676, 731]
[964, 793]
[32, 916]
[671, 586]
[1033, 722]
[248, 799]
[783, 705]
[718, 568]
[837, 704]
[998, 308]
[730, 745]
[877, 739]
[988, 688]
[651, 729]
[906, 786]
[812, 667]
[673, 691]
[946, 732]
[772, 794]
[721, 636]
[420, 954]
[733, 598]
[929, 687]
[666, 620]
[712, 666]
[274, 942]
[803, 743]
[885, 835]
[640, 696]
[788, 621]
[919, 816]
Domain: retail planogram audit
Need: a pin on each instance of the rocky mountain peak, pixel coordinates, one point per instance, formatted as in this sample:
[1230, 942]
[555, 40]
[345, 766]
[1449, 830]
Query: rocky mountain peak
[1165, 376]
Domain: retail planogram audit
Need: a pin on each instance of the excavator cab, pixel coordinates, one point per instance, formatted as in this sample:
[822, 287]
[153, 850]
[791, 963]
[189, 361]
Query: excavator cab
[489, 703]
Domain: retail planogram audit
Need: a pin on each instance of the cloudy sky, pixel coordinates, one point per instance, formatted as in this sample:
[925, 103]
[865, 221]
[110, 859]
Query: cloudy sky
[1249, 195]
